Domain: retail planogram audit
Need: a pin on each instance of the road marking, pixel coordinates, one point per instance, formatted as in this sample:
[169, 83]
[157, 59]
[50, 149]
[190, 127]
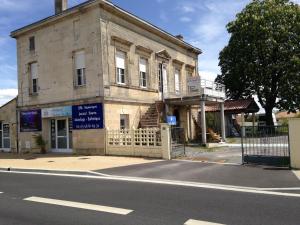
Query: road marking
[198, 222]
[79, 205]
[251, 190]
[281, 189]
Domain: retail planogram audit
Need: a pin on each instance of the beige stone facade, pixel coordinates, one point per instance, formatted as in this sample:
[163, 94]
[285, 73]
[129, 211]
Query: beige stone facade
[49, 75]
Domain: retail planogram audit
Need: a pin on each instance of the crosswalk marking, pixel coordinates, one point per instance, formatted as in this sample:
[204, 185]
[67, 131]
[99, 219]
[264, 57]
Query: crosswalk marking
[198, 222]
[79, 205]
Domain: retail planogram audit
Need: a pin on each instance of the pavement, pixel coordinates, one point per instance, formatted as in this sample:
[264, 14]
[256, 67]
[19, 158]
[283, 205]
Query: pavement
[229, 154]
[31, 199]
[67, 162]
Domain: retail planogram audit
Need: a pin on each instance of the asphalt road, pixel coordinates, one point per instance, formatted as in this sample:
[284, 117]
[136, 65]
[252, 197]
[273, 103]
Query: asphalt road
[151, 204]
[237, 175]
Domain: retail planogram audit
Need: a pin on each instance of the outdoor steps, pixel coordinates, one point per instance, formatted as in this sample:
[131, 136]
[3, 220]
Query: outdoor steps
[151, 118]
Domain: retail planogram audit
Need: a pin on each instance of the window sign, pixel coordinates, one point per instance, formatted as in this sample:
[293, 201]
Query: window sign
[88, 116]
[171, 120]
[57, 112]
[31, 121]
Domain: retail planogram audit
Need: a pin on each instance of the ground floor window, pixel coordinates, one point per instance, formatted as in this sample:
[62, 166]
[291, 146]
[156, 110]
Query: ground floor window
[124, 121]
[4, 136]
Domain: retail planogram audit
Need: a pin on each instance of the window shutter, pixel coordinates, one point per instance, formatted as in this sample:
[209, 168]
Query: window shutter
[79, 60]
[143, 65]
[120, 59]
[34, 71]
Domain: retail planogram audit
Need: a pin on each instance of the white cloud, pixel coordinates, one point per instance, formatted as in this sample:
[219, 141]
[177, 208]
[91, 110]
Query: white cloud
[7, 94]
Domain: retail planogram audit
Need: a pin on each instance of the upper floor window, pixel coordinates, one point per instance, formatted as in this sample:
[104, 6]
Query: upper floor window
[143, 72]
[32, 43]
[120, 66]
[80, 78]
[177, 81]
[160, 77]
[34, 78]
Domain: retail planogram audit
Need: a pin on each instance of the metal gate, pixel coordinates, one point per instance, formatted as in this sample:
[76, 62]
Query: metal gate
[178, 142]
[266, 145]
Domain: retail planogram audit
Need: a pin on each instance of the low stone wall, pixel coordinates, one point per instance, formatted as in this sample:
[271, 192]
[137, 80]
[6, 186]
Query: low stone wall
[294, 129]
[152, 143]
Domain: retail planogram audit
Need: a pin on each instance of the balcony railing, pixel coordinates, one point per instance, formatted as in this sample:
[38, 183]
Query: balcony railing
[199, 87]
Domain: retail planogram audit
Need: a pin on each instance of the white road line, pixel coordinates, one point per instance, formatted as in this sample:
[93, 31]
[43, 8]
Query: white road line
[281, 189]
[79, 205]
[251, 190]
[198, 222]
[1, 192]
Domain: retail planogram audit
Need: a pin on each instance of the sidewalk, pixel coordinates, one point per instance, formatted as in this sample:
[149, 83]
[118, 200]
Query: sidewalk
[67, 162]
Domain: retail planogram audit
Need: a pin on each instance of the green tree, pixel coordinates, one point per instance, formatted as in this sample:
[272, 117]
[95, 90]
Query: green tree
[263, 55]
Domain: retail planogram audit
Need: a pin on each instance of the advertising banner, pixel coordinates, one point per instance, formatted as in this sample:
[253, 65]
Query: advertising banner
[88, 116]
[31, 120]
[65, 111]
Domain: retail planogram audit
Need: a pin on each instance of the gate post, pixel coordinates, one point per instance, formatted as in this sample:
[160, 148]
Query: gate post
[294, 127]
[166, 141]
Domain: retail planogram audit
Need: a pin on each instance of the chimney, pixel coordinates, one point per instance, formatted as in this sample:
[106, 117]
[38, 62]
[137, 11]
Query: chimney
[180, 37]
[60, 6]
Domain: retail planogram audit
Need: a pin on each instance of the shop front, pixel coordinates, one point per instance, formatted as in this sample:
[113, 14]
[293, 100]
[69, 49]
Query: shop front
[66, 129]
[58, 121]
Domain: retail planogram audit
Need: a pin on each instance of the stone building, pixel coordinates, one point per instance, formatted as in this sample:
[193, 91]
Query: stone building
[8, 127]
[94, 67]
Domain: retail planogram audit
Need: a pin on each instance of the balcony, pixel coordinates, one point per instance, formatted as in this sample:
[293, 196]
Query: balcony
[197, 87]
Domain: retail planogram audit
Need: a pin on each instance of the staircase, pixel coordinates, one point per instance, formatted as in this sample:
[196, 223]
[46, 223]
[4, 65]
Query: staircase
[151, 118]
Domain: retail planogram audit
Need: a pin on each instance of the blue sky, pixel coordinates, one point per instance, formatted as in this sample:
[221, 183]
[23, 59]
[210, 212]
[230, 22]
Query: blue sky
[201, 22]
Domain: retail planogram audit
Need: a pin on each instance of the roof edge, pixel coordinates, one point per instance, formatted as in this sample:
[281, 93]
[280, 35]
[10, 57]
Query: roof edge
[69, 11]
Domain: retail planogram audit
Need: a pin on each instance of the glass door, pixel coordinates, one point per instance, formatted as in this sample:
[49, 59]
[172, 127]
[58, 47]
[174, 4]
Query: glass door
[62, 138]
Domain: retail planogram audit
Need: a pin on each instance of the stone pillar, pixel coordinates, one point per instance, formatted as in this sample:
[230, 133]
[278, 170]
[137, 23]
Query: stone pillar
[203, 122]
[190, 122]
[294, 127]
[166, 141]
[223, 132]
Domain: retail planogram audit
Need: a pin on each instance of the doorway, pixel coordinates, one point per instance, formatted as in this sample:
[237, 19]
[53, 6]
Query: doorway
[61, 136]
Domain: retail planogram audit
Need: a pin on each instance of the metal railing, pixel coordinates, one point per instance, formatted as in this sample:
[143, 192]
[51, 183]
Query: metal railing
[196, 86]
[265, 145]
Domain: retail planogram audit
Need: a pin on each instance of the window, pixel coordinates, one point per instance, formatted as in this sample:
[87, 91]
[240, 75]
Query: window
[143, 72]
[6, 136]
[124, 121]
[177, 81]
[34, 78]
[31, 43]
[160, 74]
[80, 79]
[120, 65]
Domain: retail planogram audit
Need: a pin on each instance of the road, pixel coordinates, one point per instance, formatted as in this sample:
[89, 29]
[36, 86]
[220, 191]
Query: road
[30, 199]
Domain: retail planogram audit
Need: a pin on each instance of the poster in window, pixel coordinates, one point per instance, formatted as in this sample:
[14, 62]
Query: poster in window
[31, 120]
[85, 117]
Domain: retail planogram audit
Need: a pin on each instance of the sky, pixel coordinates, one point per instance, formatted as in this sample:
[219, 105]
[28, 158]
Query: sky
[201, 22]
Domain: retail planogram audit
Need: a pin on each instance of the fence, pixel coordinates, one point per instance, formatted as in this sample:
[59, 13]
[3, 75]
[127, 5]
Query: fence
[136, 142]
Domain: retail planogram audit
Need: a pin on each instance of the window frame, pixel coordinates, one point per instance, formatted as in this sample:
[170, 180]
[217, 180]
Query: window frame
[5, 138]
[34, 80]
[143, 76]
[125, 118]
[121, 72]
[82, 75]
[177, 71]
[32, 44]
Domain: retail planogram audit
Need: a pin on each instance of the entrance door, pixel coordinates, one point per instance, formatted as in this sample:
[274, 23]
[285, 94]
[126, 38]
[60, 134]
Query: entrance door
[162, 80]
[60, 141]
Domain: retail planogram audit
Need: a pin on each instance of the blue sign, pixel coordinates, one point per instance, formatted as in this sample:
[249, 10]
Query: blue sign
[30, 121]
[87, 116]
[171, 120]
